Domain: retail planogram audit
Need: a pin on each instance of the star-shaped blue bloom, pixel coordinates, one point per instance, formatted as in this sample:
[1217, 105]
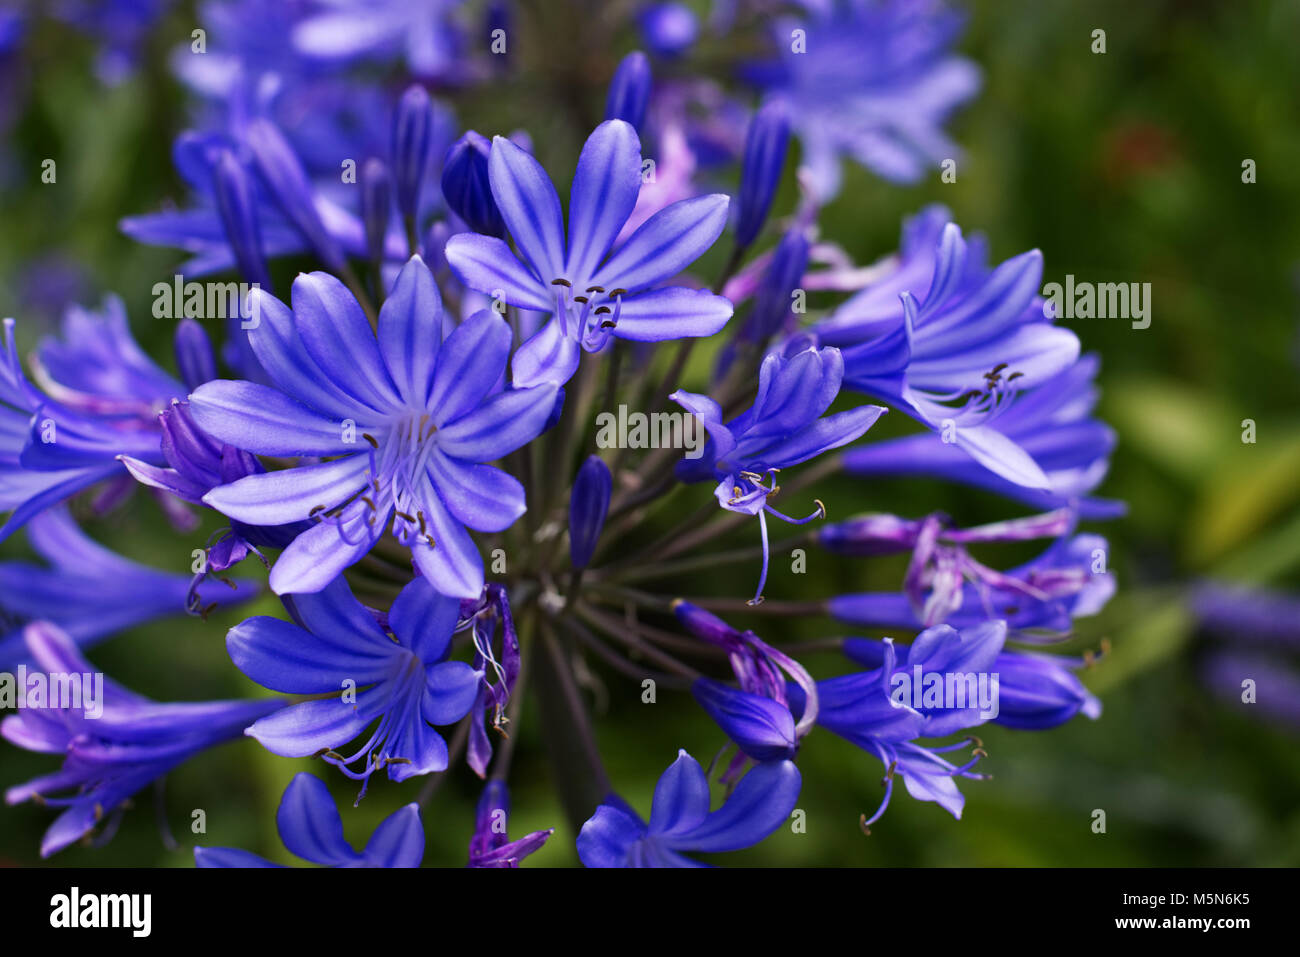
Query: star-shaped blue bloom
[398, 679]
[311, 828]
[405, 425]
[681, 822]
[591, 293]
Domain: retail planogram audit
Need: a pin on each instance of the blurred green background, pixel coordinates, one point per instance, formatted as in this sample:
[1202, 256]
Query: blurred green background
[1120, 167]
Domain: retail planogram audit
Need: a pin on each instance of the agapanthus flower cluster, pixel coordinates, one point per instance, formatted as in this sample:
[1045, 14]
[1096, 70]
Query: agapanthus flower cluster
[405, 427]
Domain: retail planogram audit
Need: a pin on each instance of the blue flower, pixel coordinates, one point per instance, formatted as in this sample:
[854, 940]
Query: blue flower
[591, 293]
[311, 828]
[1035, 691]
[361, 673]
[681, 822]
[256, 199]
[861, 709]
[105, 396]
[953, 343]
[109, 757]
[1069, 580]
[1051, 422]
[871, 80]
[491, 846]
[1245, 614]
[784, 427]
[90, 592]
[422, 30]
[668, 29]
[425, 412]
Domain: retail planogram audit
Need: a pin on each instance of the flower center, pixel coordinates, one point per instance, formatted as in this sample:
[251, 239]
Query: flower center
[587, 316]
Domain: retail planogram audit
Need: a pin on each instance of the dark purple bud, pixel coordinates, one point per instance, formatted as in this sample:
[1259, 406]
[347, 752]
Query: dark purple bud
[288, 185]
[412, 123]
[376, 204]
[629, 91]
[465, 185]
[772, 302]
[760, 172]
[588, 506]
[669, 29]
[236, 206]
[194, 356]
[761, 727]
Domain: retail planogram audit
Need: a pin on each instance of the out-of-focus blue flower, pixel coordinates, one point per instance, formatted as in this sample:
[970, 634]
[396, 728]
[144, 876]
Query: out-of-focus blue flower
[629, 90]
[1274, 689]
[873, 81]
[953, 343]
[119, 25]
[591, 295]
[410, 419]
[101, 400]
[247, 70]
[1069, 580]
[668, 29]
[289, 211]
[588, 505]
[422, 30]
[784, 427]
[396, 677]
[681, 822]
[109, 757]
[491, 845]
[766, 145]
[311, 829]
[88, 591]
[1248, 615]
